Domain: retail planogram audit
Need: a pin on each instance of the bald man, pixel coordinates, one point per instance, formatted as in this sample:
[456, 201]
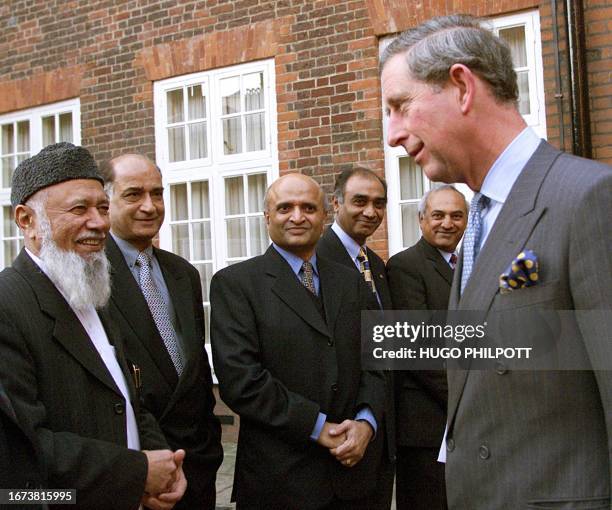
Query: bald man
[165, 342]
[285, 334]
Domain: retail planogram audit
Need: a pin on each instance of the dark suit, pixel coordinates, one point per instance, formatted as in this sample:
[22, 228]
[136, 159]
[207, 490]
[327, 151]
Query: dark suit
[420, 279]
[540, 439]
[20, 460]
[183, 406]
[61, 388]
[330, 246]
[281, 360]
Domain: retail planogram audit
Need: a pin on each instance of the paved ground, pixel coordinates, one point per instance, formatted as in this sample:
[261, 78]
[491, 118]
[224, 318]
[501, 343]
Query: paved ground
[225, 476]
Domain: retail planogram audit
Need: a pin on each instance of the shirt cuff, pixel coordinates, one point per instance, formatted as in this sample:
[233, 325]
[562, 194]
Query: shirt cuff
[366, 414]
[316, 431]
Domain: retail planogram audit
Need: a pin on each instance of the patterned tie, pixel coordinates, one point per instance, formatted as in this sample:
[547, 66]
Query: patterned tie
[453, 261]
[159, 310]
[471, 242]
[364, 266]
[307, 277]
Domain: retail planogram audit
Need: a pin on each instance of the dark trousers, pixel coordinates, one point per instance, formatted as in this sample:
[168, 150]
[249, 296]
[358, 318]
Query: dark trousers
[419, 483]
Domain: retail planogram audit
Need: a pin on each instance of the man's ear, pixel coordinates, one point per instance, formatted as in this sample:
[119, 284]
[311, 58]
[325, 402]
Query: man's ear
[335, 203]
[25, 219]
[267, 217]
[463, 79]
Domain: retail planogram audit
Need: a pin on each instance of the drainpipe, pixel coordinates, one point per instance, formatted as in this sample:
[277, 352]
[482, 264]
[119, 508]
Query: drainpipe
[579, 86]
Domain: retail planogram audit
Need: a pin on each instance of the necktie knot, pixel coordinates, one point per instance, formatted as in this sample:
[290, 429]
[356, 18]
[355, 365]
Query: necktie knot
[143, 259]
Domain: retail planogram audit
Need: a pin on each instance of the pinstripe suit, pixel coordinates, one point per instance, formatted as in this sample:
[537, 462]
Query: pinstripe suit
[539, 439]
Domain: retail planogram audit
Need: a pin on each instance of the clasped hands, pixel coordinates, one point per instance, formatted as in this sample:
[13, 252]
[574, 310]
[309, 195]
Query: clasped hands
[346, 441]
[166, 482]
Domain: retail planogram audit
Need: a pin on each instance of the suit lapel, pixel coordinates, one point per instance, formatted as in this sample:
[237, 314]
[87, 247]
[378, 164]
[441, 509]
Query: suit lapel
[68, 330]
[336, 250]
[517, 219]
[287, 288]
[130, 302]
[437, 260]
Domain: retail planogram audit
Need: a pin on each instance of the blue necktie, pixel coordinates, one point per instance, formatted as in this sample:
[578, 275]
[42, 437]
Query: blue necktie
[471, 242]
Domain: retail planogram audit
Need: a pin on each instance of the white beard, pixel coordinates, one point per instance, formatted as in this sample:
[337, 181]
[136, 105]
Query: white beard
[84, 282]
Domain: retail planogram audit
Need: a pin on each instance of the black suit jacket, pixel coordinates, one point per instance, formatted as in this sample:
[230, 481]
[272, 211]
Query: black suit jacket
[420, 279]
[331, 247]
[183, 406]
[280, 363]
[20, 459]
[60, 387]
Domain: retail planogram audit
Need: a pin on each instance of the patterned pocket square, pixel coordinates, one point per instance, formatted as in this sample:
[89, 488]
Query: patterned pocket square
[522, 272]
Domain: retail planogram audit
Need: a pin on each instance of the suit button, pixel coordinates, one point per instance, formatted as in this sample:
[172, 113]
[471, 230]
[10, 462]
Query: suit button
[119, 408]
[330, 342]
[500, 368]
[334, 387]
[483, 452]
[450, 444]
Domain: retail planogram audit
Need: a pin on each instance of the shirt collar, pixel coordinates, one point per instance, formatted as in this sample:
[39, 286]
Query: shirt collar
[130, 253]
[294, 261]
[508, 166]
[446, 254]
[347, 241]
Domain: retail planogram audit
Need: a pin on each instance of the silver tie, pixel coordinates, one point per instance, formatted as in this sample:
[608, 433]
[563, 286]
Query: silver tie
[159, 310]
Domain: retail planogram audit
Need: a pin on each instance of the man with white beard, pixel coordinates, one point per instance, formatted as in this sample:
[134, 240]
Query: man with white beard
[61, 361]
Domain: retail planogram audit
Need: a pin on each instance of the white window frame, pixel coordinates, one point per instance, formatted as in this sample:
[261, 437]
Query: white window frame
[34, 116]
[536, 119]
[216, 166]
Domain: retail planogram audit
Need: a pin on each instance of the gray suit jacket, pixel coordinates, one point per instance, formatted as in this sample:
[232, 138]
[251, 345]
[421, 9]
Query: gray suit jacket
[539, 439]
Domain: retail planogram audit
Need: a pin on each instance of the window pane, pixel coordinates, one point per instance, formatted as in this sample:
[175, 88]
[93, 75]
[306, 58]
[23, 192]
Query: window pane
[10, 229]
[236, 237]
[234, 195]
[11, 249]
[253, 91]
[232, 136]
[200, 206]
[176, 143]
[202, 242]
[197, 141]
[411, 179]
[258, 235]
[7, 139]
[175, 105]
[65, 121]
[255, 131]
[523, 85]
[515, 37]
[180, 240]
[48, 127]
[23, 136]
[205, 271]
[410, 224]
[7, 171]
[257, 190]
[178, 202]
[230, 95]
[196, 103]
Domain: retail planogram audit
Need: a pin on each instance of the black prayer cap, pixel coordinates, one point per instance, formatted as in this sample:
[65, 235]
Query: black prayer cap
[56, 163]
